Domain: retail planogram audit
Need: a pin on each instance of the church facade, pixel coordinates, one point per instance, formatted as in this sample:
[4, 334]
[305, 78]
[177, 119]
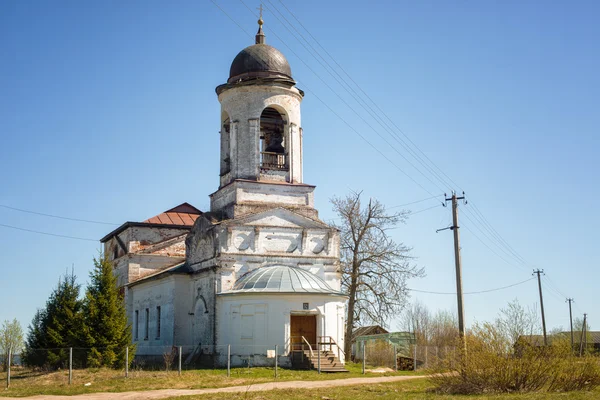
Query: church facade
[259, 269]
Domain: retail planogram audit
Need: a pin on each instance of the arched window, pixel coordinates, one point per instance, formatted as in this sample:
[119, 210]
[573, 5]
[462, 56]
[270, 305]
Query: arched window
[225, 144]
[272, 140]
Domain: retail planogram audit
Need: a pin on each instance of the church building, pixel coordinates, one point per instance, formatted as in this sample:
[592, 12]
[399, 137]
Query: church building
[260, 269]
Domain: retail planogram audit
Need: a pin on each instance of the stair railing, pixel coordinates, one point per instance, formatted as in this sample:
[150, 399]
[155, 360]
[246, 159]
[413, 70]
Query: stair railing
[331, 342]
[312, 354]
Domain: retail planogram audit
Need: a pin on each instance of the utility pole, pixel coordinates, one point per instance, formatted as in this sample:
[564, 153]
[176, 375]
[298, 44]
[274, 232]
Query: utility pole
[457, 261]
[538, 272]
[570, 300]
[583, 335]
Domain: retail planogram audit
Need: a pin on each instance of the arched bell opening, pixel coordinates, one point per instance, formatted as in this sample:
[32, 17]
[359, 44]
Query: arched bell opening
[273, 140]
[225, 143]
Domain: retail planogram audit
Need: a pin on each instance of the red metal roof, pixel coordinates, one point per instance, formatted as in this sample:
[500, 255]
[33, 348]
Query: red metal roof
[183, 214]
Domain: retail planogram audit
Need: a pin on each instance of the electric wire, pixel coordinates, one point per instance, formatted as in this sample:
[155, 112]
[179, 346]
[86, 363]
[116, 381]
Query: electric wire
[356, 96]
[519, 259]
[57, 216]
[552, 292]
[479, 215]
[490, 249]
[415, 202]
[551, 289]
[367, 95]
[494, 236]
[477, 292]
[48, 233]
[497, 240]
[354, 112]
[426, 209]
[491, 241]
[330, 109]
[407, 204]
[551, 283]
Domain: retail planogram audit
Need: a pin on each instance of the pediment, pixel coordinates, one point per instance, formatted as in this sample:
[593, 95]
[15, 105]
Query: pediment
[279, 217]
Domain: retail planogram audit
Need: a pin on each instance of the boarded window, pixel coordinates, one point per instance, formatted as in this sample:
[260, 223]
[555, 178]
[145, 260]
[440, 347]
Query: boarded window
[247, 326]
[137, 324]
[158, 322]
[147, 324]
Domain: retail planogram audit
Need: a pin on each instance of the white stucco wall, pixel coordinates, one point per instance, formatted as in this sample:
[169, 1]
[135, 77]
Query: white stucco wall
[150, 295]
[254, 323]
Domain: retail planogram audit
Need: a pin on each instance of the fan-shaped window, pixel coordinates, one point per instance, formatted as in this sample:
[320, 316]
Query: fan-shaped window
[272, 140]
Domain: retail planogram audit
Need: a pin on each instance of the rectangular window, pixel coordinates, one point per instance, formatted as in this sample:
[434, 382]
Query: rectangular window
[158, 322]
[137, 324]
[147, 324]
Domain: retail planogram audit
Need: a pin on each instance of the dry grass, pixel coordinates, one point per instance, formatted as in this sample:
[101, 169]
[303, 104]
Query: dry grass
[28, 383]
[491, 365]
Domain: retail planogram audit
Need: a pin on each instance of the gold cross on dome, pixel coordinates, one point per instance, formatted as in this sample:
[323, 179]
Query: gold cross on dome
[260, 10]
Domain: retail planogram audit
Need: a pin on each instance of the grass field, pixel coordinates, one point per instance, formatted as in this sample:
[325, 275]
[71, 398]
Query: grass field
[409, 390]
[29, 383]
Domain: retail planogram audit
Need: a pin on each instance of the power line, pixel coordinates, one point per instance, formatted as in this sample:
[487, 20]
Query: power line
[410, 213]
[48, 233]
[415, 202]
[493, 236]
[354, 111]
[477, 292]
[426, 209]
[232, 20]
[371, 100]
[490, 249]
[551, 283]
[491, 240]
[361, 102]
[481, 218]
[57, 216]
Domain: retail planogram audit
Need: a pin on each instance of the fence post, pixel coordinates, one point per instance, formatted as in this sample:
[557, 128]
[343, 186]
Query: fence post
[8, 368]
[364, 355]
[228, 360]
[319, 357]
[415, 359]
[70, 365]
[179, 368]
[395, 359]
[276, 350]
[127, 361]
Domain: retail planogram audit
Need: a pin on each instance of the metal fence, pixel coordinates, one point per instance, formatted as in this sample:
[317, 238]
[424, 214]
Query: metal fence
[377, 354]
[128, 363]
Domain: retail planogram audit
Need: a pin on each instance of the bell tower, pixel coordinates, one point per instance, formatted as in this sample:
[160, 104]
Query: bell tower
[261, 135]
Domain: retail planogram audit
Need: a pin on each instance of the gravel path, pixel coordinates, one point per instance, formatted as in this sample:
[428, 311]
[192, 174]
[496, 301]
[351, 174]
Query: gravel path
[259, 387]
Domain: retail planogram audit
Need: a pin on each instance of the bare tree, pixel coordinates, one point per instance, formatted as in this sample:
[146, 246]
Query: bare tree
[416, 318]
[515, 321]
[11, 338]
[374, 267]
[443, 328]
[439, 329]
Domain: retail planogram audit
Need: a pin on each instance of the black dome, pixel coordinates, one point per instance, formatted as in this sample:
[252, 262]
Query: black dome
[259, 61]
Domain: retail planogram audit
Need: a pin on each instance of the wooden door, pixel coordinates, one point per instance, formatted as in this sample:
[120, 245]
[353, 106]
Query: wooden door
[303, 325]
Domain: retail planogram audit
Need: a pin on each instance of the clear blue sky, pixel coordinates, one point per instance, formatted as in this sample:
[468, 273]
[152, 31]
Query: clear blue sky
[108, 113]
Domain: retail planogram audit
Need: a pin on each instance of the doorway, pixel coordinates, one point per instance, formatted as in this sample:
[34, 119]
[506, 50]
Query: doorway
[303, 325]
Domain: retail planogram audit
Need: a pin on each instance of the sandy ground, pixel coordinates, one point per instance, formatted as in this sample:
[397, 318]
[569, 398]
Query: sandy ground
[163, 393]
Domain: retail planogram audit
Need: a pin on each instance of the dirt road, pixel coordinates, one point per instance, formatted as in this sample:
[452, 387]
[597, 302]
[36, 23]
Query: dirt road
[163, 393]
